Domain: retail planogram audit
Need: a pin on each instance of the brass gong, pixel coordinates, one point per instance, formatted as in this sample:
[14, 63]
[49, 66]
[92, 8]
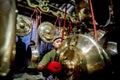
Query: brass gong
[90, 52]
[47, 31]
[23, 26]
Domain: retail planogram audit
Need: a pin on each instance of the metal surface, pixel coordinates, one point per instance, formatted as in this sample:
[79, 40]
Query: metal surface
[83, 51]
[47, 31]
[23, 26]
[100, 34]
[7, 35]
[111, 48]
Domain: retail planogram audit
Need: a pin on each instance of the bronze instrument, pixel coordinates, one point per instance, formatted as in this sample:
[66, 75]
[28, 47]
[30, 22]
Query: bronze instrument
[7, 33]
[23, 26]
[81, 50]
[100, 34]
[109, 46]
[47, 31]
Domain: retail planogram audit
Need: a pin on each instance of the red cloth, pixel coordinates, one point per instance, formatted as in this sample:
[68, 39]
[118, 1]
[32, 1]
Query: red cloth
[54, 67]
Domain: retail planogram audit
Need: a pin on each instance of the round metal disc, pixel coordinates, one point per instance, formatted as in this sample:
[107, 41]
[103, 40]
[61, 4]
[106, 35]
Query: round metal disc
[47, 31]
[23, 26]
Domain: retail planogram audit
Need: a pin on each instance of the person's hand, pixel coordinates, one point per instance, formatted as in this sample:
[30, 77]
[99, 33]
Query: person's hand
[40, 67]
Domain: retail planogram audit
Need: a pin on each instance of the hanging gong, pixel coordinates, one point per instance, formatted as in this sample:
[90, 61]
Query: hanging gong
[47, 31]
[92, 57]
[23, 26]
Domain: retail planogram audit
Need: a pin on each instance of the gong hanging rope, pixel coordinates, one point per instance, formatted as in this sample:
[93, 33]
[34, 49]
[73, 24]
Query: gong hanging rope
[93, 20]
[70, 27]
[58, 20]
[38, 21]
[35, 48]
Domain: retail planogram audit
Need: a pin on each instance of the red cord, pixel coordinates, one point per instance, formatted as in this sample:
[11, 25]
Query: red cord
[55, 22]
[32, 24]
[94, 22]
[59, 23]
[70, 27]
[38, 18]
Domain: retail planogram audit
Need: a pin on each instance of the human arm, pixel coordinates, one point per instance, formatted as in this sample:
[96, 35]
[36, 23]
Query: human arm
[45, 60]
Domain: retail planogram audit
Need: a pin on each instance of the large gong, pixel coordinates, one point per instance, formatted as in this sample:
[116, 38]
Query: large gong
[89, 53]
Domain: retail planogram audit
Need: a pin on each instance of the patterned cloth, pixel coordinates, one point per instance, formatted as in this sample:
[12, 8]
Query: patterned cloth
[25, 76]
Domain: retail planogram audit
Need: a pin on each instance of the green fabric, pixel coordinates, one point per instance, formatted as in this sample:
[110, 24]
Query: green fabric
[50, 56]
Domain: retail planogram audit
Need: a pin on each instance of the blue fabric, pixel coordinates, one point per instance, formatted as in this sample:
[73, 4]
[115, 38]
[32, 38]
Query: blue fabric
[44, 47]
